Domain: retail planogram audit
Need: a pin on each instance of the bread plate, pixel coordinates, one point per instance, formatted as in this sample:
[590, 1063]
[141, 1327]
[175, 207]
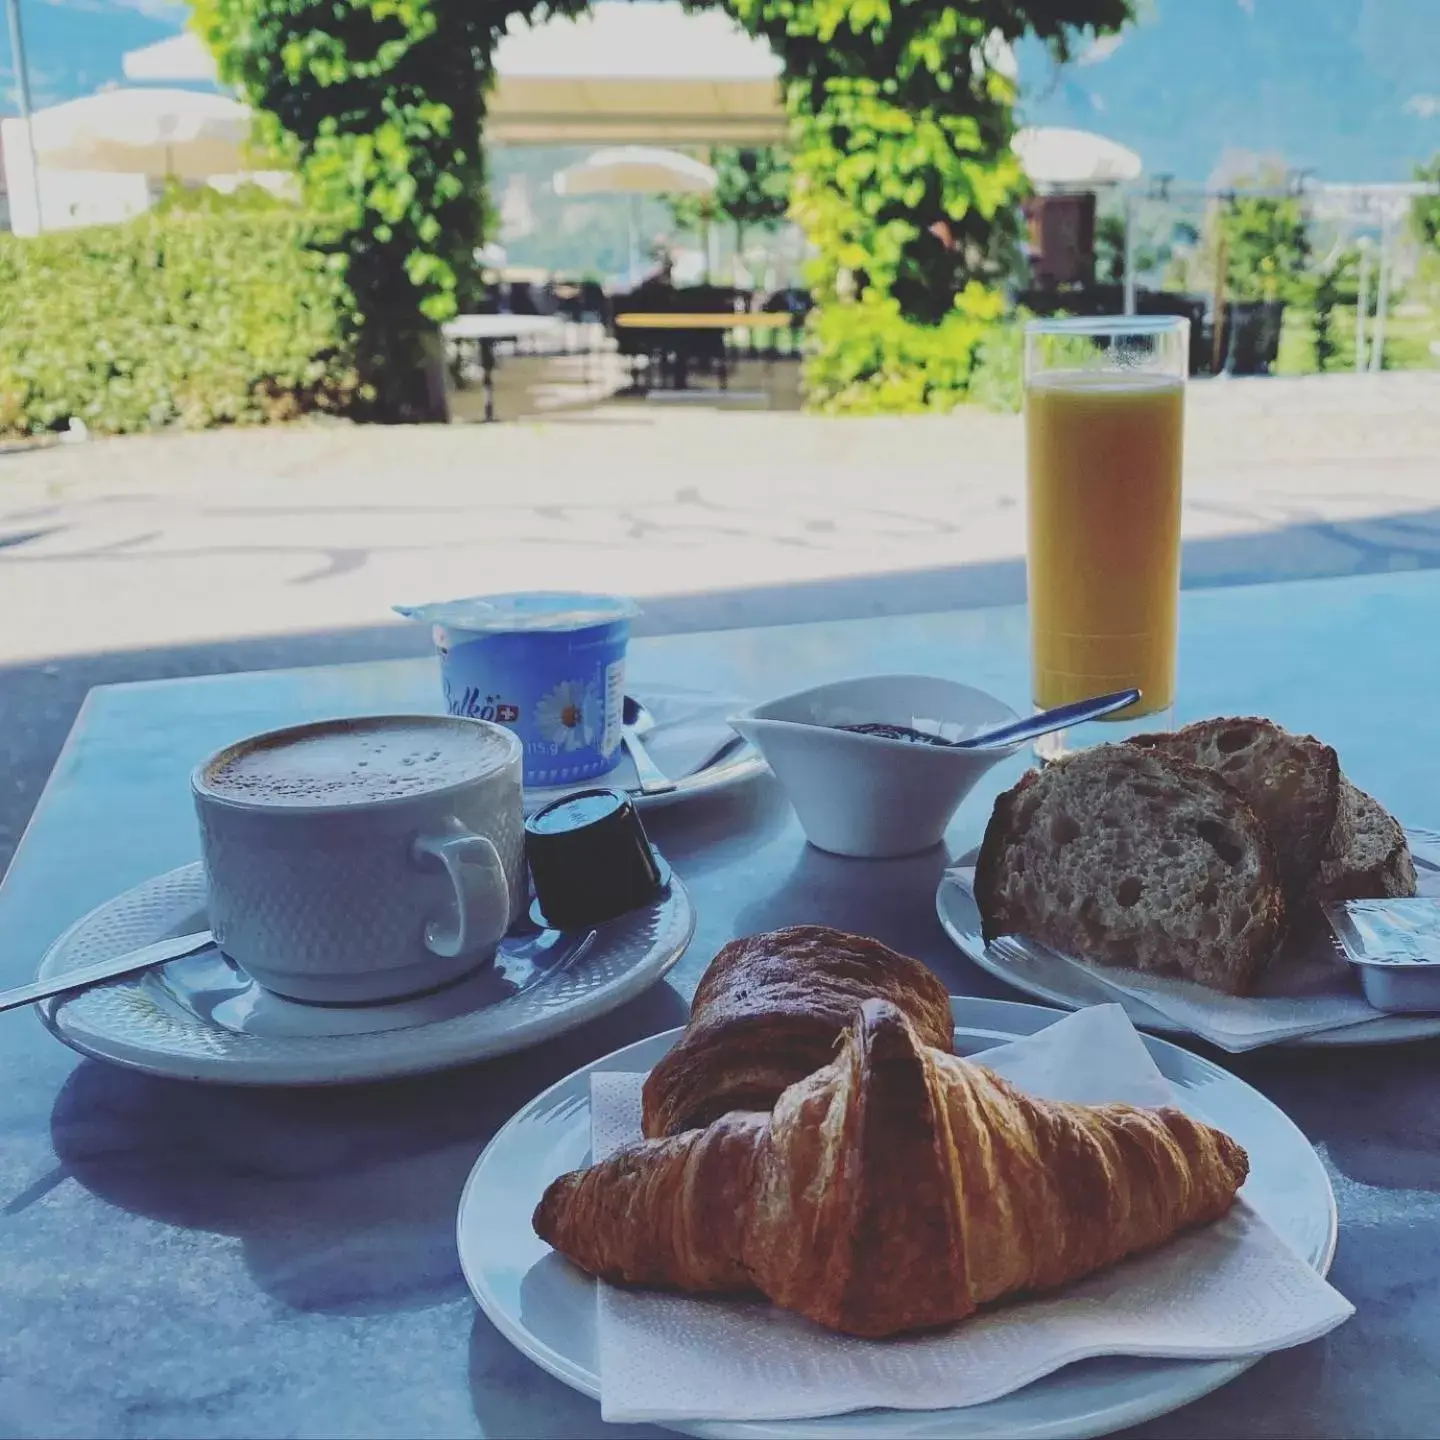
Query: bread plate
[1068, 986]
[546, 1307]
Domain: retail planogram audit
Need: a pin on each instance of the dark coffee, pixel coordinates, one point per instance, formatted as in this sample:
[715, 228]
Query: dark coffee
[893, 732]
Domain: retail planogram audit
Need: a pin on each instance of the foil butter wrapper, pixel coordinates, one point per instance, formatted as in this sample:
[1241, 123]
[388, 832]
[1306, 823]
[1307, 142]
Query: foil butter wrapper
[1394, 946]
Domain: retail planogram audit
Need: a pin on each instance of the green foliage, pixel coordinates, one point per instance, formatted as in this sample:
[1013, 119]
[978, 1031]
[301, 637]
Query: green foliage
[1324, 297]
[1110, 249]
[1425, 209]
[1149, 256]
[903, 177]
[904, 181]
[170, 319]
[381, 103]
[1267, 248]
[752, 192]
[998, 379]
[869, 358]
[181, 199]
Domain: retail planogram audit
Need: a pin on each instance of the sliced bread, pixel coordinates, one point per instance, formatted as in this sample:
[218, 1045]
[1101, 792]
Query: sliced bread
[1130, 856]
[1368, 856]
[1292, 782]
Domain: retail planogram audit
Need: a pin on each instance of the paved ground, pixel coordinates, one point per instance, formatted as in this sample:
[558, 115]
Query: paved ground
[179, 554]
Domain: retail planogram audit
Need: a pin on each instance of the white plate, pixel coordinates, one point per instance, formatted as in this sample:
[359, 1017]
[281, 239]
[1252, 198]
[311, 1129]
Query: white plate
[1069, 987]
[546, 1307]
[200, 1018]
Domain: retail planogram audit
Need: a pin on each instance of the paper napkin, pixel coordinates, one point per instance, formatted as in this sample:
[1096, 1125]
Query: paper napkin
[690, 725]
[1234, 1288]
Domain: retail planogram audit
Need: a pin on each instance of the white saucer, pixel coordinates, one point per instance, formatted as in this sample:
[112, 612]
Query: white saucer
[200, 1018]
[546, 1307]
[689, 726]
[1057, 983]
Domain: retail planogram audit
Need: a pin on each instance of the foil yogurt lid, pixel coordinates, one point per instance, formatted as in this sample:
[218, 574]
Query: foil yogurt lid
[535, 610]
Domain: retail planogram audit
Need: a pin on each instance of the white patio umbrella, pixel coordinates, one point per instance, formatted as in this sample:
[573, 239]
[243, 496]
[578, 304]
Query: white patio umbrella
[181, 57]
[179, 133]
[1054, 156]
[636, 170]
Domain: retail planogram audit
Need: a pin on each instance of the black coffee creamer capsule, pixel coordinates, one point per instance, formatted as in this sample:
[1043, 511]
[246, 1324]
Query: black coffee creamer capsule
[590, 859]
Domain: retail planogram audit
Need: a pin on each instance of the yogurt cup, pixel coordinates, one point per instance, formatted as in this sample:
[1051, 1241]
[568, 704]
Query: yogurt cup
[549, 665]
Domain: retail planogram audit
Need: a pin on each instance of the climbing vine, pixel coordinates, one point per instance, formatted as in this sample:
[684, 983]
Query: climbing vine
[381, 104]
[905, 183]
[902, 175]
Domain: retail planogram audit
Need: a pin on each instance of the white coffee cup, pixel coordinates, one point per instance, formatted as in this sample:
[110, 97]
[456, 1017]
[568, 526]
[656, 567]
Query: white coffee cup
[351, 861]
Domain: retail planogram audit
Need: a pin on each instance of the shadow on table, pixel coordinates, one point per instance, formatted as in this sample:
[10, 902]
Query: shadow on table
[1330, 1096]
[39, 700]
[711, 832]
[893, 900]
[344, 1199]
[1287, 1384]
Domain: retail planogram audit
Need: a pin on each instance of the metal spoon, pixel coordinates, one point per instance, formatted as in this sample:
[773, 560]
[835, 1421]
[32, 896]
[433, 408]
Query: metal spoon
[83, 976]
[1048, 721]
[1004, 736]
[636, 721]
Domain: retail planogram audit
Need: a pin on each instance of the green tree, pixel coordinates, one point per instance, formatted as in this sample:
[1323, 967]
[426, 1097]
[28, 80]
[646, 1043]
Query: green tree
[752, 192]
[904, 180]
[1267, 248]
[1425, 209]
[380, 103]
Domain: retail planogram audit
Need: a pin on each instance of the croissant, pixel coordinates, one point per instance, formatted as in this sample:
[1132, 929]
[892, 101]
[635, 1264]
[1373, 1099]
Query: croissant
[769, 1010]
[898, 1188]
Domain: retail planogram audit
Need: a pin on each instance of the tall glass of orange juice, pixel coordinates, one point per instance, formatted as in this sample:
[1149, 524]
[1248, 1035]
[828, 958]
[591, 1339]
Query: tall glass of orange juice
[1104, 427]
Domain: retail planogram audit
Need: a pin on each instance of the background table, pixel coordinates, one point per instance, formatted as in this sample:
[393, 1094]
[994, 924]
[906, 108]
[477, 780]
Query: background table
[705, 320]
[193, 1261]
[484, 331]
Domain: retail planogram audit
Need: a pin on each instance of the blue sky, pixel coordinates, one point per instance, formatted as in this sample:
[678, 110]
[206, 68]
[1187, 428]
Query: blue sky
[1350, 88]
[74, 46]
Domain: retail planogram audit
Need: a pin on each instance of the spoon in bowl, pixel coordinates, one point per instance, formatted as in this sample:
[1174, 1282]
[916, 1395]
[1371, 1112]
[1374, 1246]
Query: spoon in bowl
[1045, 722]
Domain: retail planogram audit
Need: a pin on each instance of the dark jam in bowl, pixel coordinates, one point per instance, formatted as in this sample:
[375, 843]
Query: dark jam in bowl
[893, 732]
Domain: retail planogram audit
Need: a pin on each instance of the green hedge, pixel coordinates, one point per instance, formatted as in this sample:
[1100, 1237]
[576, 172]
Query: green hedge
[174, 318]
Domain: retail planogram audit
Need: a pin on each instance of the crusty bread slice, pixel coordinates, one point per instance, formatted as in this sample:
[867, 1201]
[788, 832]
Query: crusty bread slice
[1292, 782]
[1368, 856]
[1127, 856]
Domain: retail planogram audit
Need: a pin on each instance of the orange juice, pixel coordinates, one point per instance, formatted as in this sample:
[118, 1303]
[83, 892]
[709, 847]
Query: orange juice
[1104, 454]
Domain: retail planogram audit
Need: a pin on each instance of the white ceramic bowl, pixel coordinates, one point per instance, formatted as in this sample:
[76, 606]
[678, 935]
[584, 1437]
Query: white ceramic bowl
[863, 795]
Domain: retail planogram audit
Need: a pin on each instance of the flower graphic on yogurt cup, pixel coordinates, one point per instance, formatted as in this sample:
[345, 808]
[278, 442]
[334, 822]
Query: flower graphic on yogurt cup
[567, 715]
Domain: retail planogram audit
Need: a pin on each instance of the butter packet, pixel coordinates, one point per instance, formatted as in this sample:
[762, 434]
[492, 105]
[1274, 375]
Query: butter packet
[1395, 948]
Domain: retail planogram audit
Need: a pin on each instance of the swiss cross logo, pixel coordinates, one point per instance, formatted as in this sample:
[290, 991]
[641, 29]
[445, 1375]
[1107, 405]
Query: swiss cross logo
[470, 704]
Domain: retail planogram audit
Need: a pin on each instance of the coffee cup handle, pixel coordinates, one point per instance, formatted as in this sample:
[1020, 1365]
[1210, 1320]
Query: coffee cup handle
[482, 894]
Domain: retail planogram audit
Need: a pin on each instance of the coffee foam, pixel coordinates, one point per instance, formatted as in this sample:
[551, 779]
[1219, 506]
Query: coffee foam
[356, 762]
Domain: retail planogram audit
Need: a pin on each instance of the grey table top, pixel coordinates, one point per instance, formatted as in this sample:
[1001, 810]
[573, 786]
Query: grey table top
[195, 1261]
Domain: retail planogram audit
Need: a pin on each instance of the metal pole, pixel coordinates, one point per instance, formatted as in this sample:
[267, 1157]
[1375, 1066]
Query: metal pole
[1362, 304]
[1129, 260]
[1222, 266]
[1382, 298]
[22, 94]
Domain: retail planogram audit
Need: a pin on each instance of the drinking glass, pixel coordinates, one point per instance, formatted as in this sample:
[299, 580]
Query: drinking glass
[1104, 425]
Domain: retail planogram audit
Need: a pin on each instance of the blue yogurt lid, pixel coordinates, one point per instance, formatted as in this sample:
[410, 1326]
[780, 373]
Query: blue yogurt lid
[535, 610]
